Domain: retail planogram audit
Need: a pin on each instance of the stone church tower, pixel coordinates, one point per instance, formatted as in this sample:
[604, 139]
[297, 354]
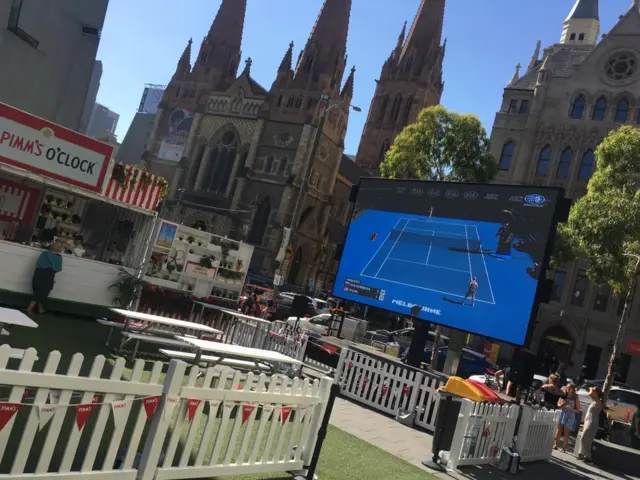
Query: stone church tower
[411, 80]
[554, 114]
[234, 152]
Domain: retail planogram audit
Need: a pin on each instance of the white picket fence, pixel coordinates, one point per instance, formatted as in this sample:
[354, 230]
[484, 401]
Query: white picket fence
[481, 432]
[225, 423]
[536, 434]
[388, 386]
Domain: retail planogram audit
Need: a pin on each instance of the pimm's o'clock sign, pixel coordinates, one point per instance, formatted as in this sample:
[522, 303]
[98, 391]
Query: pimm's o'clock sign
[34, 144]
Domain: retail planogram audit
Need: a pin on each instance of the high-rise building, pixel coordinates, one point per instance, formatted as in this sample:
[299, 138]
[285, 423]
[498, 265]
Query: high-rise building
[102, 122]
[554, 114]
[48, 54]
[92, 95]
[235, 152]
[411, 80]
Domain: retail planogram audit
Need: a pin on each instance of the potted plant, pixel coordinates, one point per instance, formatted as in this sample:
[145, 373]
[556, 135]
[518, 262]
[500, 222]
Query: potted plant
[181, 238]
[127, 287]
[199, 243]
[75, 219]
[190, 239]
[206, 262]
[239, 265]
[179, 268]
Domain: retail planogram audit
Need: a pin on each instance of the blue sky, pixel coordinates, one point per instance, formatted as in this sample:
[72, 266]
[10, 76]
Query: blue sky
[143, 39]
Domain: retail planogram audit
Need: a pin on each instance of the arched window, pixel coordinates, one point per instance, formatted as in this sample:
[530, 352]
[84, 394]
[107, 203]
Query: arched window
[577, 109]
[543, 161]
[284, 164]
[280, 100]
[260, 222]
[299, 102]
[622, 111]
[195, 168]
[308, 63]
[395, 110]
[221, 161]
[268, 165]
[407, 110]
[383, 108]
[309, 102]
[600, 109]
[409, 64]
[506, 155]
[178, 92]
[586, 166]
[384, 147]
[290, 102]
[564, 164]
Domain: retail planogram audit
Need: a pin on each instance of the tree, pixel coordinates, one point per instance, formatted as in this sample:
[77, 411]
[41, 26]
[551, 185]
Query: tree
[604, 226]
[441, 146]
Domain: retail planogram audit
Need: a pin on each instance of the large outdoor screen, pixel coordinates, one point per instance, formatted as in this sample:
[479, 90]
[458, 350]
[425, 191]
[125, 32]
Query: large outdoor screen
[470, 255]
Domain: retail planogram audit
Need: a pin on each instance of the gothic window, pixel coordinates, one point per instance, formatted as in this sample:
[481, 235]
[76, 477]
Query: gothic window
[280, 101]
[507, 155]
[203, 58]
[543, 161]
[220, 165]
[299, 102]
[409, 64]
[178, 92]
[577, 109]
[586, 166]
[195, 168]
[407, 110]
[524, 107]
[309, 102]
[564, 164]
[260, 222]
[383, 149]
[395, 110]
[383, 108]
[513, 106]
[290, 102]
[275, 167]
[268, 166]
[572, 37]
[284, 165]
[308, 63]
[622, 112]
[581, 37]
[599, 109]
[193, 92]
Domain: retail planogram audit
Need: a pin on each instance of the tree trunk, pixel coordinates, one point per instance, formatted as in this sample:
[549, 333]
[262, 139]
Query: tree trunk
[624, 318]
[434, 349]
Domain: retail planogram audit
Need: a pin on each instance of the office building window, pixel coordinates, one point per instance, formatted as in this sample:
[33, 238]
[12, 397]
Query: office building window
[580, 289]
[601, 301]
[558, 285]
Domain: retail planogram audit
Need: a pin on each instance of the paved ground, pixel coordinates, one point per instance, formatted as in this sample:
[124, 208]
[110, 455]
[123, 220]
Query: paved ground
[414, 446]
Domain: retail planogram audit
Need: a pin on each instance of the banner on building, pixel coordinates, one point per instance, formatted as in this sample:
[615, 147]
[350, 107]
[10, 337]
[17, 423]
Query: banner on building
[174, 130]
[151, 98]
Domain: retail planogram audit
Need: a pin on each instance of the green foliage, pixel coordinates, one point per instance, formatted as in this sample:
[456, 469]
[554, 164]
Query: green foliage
[604, 225]
[128, 287]
[441, 146]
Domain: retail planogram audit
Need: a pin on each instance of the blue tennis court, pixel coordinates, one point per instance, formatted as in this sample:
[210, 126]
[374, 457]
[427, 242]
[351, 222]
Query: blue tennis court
[434, 255]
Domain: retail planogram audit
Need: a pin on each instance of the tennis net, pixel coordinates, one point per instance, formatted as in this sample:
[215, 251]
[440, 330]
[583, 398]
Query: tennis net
[434, 240]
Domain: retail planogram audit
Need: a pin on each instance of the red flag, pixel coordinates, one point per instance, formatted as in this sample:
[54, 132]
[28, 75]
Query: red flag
[385, 389]
[239, 387]
[7, 411]
[284, 414]
[82, 414]
[405, 390]
[247, 409]
[331, 349]
[150, 405]
[192, 407]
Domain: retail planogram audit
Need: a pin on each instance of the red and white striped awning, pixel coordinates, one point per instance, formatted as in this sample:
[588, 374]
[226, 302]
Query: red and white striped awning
[134, 191]
[16, 201]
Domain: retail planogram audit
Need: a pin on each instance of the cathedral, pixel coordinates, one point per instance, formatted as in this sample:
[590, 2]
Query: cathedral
[235, 152]
[554, 113]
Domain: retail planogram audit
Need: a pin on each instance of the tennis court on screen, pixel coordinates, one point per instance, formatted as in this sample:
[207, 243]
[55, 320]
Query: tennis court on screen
[438, 254]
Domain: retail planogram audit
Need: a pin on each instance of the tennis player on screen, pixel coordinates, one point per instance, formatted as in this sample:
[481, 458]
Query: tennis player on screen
[471, 291]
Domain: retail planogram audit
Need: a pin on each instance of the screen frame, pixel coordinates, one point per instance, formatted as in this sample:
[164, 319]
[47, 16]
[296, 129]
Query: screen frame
[544, 265]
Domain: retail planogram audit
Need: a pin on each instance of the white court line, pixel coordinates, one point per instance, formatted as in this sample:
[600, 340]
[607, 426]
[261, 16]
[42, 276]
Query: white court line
[468, 255]
[394, 246]
[485, 268]
[427, 265]
[430, 245]
[434, 231]
[428, 289]
[438, 223]
[381, 245]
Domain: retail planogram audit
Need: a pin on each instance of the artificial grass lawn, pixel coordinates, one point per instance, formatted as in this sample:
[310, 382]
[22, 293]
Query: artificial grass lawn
[344, 457]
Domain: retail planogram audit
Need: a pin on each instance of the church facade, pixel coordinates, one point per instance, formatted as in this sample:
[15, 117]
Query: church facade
[554, 114]
[235, 152]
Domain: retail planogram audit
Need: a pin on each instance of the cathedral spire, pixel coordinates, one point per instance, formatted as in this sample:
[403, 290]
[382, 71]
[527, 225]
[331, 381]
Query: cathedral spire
[229, 22]
[582, 26]
[535, 57]
[184, 64]
[247, 67]
[425, 30]
[287, 60]
[347, 90]
[516, 76]
[326, 48]
[401, 37]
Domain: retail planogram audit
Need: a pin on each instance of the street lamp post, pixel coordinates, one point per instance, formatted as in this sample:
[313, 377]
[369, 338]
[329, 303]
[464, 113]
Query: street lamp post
[297, 211]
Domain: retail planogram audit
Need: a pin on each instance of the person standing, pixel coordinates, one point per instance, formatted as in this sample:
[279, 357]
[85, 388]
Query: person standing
[552, 392]
[570, 406]
[591, 422]
[471, 291]
[49, 263]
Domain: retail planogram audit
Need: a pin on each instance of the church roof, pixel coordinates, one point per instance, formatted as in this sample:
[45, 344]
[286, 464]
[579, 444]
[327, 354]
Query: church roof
[561, 59]
[584, 9]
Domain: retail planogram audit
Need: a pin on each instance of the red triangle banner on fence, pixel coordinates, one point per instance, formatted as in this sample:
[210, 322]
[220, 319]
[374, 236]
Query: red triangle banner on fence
[247, 410]
[7, 411]
[284, 414]
[150, 405]
[82, 413]
[385, 389]
[405, 390]
[192, 406]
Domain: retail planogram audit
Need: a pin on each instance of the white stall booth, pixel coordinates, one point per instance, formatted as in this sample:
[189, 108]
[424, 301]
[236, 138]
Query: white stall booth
[58, 185]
